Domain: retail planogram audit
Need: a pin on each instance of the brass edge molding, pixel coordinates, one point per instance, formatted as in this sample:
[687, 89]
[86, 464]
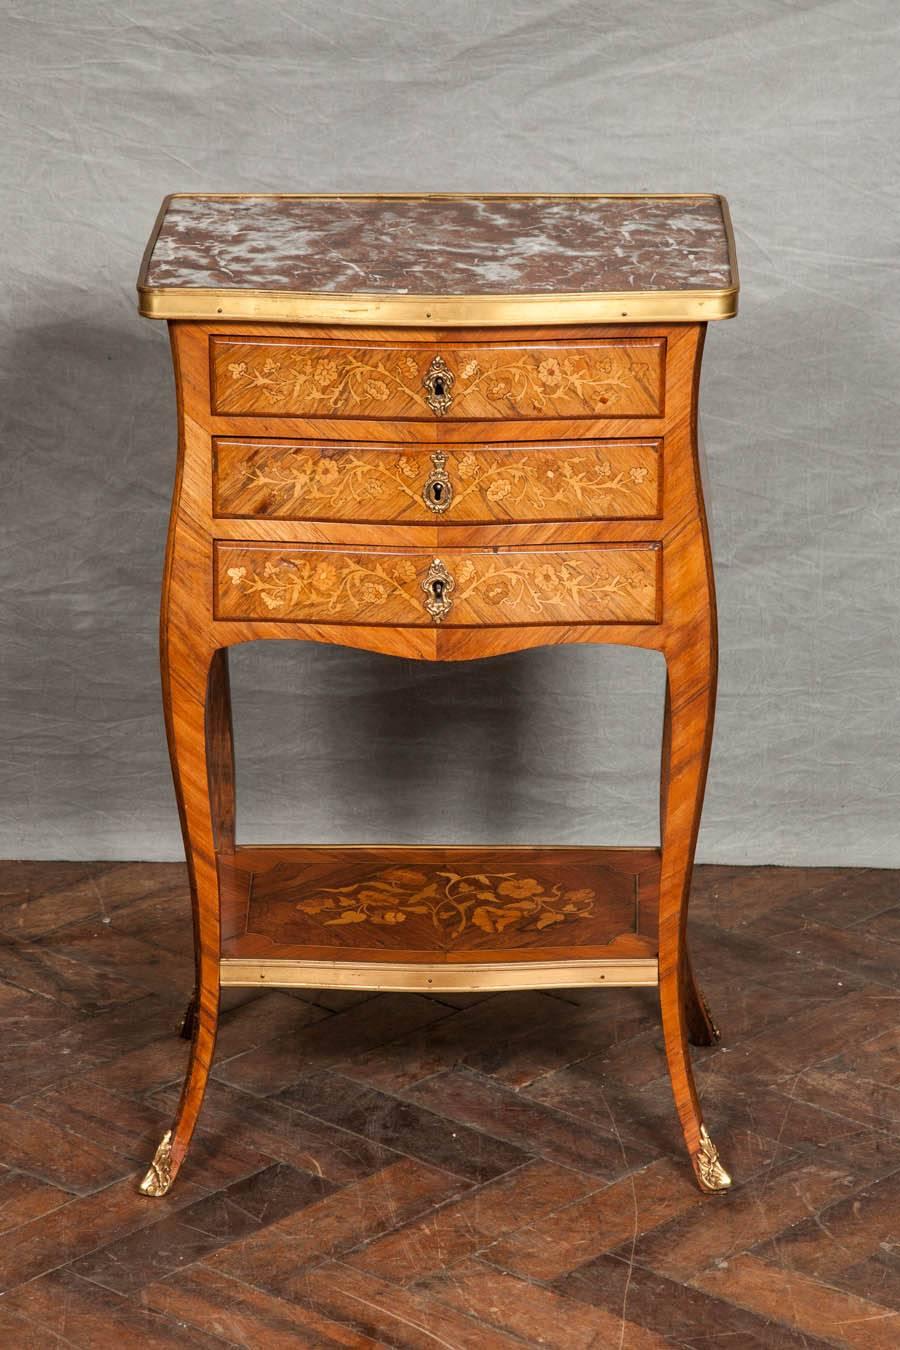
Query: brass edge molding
[438, 311]
[525, 850]
[434, 978]
[732, 247]
[458, 311]
[444, 196]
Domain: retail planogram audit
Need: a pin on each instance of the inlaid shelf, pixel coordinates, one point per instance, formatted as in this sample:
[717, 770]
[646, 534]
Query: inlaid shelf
[439, 919]
[442, 428]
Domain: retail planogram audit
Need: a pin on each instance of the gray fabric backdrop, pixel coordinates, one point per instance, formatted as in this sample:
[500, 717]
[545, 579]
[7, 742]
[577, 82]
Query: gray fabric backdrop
[789, 108]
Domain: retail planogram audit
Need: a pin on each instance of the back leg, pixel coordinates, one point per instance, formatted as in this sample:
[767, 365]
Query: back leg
[186, 1030]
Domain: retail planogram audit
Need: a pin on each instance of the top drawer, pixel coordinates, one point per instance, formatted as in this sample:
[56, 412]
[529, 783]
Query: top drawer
[288, 377]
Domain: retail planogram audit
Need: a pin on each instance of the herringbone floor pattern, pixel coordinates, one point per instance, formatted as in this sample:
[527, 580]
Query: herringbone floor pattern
[450, 1172]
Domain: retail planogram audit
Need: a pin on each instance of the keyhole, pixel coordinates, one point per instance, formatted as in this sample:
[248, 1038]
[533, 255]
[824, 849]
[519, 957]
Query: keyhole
[436, 490]
[438, 387]
[438, 588]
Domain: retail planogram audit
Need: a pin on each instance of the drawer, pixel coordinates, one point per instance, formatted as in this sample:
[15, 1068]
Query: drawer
[463, 484]
[459, 587]
[287, 377]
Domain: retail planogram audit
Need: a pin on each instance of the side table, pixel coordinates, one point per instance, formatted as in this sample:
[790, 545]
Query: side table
[442, 428]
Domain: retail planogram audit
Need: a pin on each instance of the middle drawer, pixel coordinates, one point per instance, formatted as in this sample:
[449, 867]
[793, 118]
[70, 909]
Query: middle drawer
[417, 484]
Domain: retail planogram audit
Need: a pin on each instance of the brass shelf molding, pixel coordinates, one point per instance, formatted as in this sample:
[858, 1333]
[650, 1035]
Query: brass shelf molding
[429, 977]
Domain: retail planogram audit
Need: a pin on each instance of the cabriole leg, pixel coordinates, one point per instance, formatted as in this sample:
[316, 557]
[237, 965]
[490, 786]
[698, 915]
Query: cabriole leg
[198, 723]
[690, 703]
[701, 1028]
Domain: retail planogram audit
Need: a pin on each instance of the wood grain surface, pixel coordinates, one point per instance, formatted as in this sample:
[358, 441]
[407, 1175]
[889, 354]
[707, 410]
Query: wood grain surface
[411, 1171]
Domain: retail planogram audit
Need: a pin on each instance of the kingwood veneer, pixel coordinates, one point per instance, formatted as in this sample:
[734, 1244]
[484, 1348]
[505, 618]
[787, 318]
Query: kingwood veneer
[383, 445]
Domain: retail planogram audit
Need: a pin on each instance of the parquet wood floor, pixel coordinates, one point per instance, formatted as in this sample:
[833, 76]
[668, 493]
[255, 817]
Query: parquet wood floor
[471, 1172]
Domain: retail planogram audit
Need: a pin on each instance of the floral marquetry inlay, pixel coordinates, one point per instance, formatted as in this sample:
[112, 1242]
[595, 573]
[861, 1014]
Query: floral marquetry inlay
[326, 383]
[333, 900]
[591, 379]
[451, 901]
[581, 480]
[584, 585]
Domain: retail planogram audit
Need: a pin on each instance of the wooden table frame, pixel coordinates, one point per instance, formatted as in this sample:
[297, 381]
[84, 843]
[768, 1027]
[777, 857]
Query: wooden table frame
[194, 657]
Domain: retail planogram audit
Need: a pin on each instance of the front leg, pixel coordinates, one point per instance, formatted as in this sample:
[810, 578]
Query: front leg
[198, 722]
[690, 707]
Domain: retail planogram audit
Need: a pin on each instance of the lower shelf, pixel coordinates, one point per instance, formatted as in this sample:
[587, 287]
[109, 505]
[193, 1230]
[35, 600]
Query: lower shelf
[439, 918]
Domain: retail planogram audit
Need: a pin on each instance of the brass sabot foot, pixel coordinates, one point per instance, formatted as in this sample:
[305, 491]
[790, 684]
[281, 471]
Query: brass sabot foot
[710, 1173]
[160, 1177]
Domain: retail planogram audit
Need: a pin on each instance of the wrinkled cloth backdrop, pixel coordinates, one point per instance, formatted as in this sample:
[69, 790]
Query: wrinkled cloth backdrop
[790, 109]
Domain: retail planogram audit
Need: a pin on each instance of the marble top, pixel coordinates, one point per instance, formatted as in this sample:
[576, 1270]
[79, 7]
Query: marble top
[441, 246]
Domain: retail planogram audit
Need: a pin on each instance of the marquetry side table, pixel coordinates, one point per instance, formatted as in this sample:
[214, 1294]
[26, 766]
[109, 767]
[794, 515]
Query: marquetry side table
[439, 427]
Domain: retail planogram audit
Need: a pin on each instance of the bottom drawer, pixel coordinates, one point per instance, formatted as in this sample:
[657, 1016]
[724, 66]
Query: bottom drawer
[587, 584]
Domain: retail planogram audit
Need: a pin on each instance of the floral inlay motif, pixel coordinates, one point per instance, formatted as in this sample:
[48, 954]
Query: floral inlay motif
[451, 901]
[534, 483]
[329, 586]
[317, 378]
[590, 381]
[321, 484]
[340, 586]
[565, 483]
[540, 586]
[520, 382]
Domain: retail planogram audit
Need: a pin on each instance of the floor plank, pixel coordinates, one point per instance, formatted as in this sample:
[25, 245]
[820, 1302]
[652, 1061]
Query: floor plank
[476, 1172]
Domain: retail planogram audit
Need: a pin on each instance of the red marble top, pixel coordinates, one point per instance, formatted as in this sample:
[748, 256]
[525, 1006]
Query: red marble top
[441, 246]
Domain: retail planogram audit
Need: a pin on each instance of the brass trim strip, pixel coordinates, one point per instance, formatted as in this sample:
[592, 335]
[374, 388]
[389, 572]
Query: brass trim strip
[526, 850]
[439, 311]
[434, 978]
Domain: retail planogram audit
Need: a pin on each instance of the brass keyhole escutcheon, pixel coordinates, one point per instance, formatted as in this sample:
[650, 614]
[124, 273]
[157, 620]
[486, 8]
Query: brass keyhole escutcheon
[438, 585]
[438, 382]
[438, 490]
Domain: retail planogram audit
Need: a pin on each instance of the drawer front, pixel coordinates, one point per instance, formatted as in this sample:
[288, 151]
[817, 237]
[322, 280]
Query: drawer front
[458, 587]
[463, 484]
[265, 377]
